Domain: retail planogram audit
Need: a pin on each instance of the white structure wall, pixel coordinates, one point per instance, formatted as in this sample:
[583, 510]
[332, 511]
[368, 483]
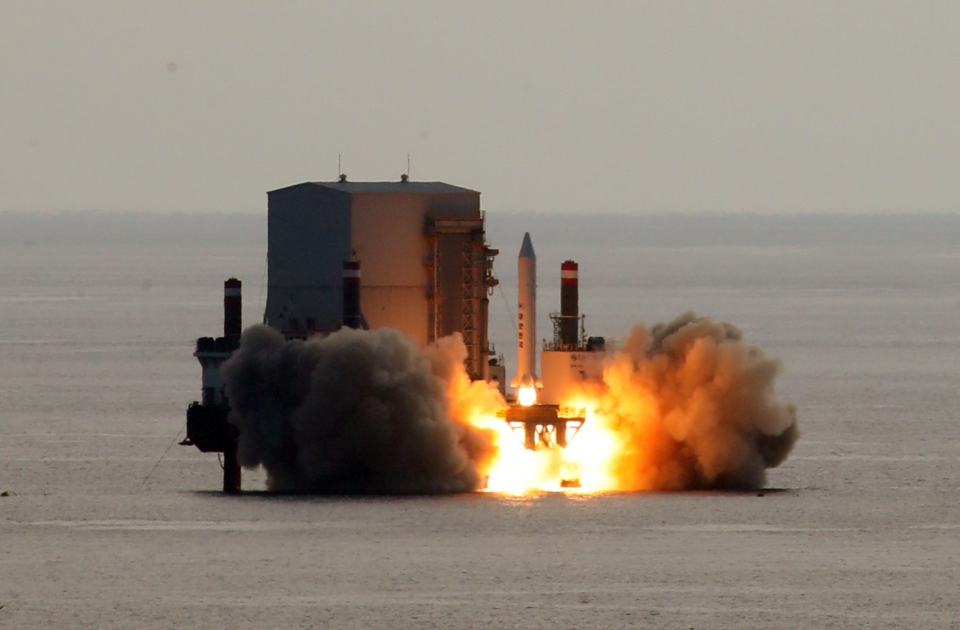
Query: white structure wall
[560, 370]
[388, 237]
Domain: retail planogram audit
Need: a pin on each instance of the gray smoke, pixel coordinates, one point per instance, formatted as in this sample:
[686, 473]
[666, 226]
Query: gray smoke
[354, 412]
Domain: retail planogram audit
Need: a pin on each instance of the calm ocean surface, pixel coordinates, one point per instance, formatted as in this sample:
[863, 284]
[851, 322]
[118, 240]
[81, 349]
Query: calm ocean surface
[860, 527]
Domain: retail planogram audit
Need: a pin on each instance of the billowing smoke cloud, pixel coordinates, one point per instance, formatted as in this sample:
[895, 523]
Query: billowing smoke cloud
[683, 405]
[689, 405]
[358, 412]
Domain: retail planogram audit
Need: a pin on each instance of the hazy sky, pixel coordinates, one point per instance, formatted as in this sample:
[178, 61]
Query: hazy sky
[627, 107]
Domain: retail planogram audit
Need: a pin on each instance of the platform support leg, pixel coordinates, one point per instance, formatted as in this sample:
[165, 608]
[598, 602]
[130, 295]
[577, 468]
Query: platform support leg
[231, 470]
[530, 436]
[561, 431]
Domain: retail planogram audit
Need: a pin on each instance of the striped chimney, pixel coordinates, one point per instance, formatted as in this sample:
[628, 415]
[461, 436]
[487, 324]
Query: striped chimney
[351, 293]
[569, 303]
[232, 309]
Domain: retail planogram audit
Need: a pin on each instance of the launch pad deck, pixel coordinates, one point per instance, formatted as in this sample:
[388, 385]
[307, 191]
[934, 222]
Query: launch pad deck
[544, 426]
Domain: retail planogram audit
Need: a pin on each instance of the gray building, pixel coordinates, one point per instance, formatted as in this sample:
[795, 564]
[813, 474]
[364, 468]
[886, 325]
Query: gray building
[425, 266]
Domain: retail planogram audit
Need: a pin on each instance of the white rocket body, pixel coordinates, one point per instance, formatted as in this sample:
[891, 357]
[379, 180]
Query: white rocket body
[526, 317]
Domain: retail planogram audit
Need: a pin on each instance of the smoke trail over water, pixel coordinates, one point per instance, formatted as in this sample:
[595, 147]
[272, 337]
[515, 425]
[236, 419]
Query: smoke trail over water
[358, 411]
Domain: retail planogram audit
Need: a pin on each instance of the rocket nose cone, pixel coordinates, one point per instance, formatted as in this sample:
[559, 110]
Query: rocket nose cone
[526, 250]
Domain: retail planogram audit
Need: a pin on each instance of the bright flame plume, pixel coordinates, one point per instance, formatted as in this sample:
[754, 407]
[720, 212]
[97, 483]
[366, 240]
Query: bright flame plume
[684, 405]
[527, 396]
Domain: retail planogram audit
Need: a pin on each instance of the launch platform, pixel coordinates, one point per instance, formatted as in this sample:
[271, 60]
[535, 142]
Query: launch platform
[544, 426]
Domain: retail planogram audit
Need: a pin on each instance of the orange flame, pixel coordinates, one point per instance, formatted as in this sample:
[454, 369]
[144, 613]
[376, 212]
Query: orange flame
[683, 405]
[527, 396]
[586, 460]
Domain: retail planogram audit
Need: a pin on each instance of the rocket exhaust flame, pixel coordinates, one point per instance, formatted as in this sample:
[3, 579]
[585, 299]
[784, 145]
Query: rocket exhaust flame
[527, 396]
[684, 405]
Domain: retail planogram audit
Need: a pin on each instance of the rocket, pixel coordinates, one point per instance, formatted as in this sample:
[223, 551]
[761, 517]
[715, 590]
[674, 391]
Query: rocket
[526, 380]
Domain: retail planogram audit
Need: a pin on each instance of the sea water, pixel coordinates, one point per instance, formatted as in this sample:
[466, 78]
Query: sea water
[110, 524]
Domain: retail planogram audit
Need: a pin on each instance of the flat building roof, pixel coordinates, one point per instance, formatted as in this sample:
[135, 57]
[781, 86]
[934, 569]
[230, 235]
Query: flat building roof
[387, 187]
